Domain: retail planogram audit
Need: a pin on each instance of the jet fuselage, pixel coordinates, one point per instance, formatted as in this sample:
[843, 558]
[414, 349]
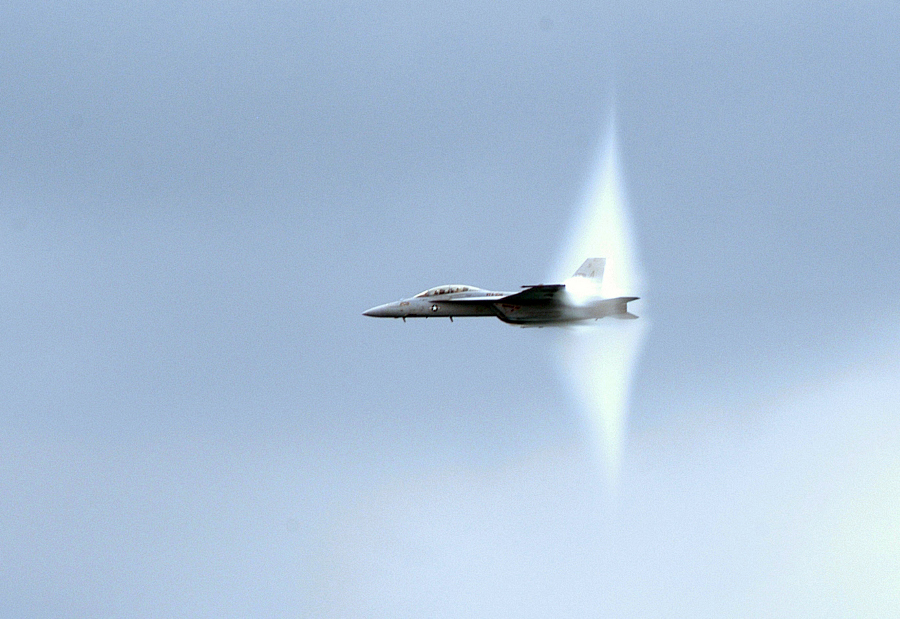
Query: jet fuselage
[533, 306]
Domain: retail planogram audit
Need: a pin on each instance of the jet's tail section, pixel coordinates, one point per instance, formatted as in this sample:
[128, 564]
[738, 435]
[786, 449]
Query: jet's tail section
[592, 269]
[625, 316]
[617, 308]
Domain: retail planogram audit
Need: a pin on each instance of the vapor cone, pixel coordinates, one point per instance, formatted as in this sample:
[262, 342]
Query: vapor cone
[598, 361]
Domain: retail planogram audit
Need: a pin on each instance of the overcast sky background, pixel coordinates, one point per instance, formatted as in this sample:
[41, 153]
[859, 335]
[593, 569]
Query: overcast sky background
[198, 201]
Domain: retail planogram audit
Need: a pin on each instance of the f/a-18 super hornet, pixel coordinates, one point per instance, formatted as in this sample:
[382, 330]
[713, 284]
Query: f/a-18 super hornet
[576, 300]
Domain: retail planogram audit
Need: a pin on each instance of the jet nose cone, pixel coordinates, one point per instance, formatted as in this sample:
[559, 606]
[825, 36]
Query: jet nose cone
[388, 310]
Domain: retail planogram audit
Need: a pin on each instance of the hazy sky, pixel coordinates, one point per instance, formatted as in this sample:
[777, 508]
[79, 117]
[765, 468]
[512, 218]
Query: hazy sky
[198, 201]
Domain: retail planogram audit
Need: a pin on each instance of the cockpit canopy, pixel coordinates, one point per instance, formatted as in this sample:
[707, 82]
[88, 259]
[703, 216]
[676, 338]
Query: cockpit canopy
[446, 289]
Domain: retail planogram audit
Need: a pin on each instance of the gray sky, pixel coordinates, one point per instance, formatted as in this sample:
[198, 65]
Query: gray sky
[197, 202]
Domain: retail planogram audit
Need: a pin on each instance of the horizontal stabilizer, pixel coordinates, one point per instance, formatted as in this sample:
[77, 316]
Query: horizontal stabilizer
[625, 316]
[621, 308]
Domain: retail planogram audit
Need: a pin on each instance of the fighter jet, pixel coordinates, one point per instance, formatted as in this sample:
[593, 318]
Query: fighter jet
[576, 300]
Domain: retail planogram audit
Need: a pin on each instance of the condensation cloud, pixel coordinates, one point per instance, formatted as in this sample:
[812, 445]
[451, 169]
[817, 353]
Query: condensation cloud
[598, 361]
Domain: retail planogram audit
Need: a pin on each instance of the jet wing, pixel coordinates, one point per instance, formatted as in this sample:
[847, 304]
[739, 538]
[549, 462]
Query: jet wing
[532, 294]
[541, 293]
[475, 300]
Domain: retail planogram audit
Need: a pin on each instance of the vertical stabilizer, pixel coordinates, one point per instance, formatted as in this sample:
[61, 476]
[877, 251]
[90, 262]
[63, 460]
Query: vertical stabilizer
[592, 268]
